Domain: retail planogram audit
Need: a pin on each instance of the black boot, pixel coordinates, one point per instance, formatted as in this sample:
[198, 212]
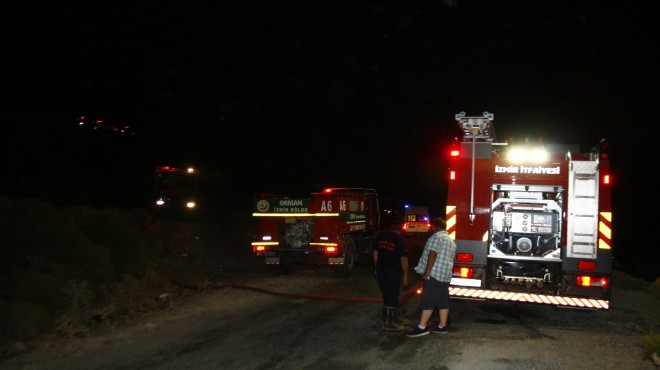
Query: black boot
[388, 320]
[397, 320]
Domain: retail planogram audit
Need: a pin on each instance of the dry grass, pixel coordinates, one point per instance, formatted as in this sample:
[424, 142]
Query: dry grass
[75, 271]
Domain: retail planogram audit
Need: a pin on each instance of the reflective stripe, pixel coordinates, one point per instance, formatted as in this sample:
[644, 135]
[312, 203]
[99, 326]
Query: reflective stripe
[605, 230]
[462, 292]
[451, 221]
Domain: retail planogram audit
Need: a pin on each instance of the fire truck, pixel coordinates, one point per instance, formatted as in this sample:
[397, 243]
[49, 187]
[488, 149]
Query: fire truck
[532, 222]
[333, 227]
[175, 189]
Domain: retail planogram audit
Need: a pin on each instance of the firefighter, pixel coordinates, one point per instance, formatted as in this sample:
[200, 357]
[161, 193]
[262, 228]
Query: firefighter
[390, 254]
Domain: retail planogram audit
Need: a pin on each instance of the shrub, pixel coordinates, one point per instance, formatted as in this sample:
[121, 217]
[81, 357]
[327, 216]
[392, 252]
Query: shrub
[65, 268]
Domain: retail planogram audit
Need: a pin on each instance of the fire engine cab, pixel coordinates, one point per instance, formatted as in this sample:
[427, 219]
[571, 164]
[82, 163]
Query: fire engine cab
[531, 221]
[175, 189]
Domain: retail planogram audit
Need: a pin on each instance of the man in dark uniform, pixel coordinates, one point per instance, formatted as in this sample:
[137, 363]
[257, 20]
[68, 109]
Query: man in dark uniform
[390, 253]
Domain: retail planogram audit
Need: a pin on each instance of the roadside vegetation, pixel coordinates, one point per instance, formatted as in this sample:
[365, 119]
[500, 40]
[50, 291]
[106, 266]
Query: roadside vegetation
[73, 271]
[651, 341]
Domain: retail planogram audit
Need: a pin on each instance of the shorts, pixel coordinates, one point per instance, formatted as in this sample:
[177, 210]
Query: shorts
[435, 295]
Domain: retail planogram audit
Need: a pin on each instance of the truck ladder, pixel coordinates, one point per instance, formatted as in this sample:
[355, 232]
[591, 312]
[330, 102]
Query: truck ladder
[582, 230]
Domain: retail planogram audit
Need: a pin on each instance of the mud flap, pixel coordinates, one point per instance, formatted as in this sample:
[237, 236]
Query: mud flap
[272, 260]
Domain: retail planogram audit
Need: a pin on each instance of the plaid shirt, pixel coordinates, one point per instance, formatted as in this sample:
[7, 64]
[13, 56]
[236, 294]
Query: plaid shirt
[441, 243]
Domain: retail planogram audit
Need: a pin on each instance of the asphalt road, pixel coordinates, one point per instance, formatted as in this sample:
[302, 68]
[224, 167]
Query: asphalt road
[310, 319]
[239, 328]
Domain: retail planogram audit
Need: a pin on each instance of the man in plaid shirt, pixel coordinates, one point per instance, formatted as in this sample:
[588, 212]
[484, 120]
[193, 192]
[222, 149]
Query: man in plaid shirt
[435, 267]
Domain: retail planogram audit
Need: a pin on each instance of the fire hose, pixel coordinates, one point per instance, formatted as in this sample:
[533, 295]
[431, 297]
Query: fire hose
[407, 295]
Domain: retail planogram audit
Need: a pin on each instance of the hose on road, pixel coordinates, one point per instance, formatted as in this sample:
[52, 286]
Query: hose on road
[408, 294]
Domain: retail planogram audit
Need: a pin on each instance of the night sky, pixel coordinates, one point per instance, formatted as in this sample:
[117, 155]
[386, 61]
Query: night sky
[293, 96]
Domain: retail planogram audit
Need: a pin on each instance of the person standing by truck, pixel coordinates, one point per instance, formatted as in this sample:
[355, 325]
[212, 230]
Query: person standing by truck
[390, 254]
[435, 267]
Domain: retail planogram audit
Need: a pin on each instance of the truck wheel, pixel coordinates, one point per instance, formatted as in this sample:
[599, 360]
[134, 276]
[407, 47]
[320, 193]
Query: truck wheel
[365, 254]
[349, 260]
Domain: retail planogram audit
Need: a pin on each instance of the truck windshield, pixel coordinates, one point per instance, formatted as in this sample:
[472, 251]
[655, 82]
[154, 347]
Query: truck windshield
[175, 180]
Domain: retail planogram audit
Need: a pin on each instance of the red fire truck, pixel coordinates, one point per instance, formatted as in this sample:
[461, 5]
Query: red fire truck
[334, 227]
[532, 222]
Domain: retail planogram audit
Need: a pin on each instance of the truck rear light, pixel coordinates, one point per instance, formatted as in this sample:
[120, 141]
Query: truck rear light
[586, 265]
[455, 150]
[603, 150]
[584, 280]
[590, 281]
[464, 272]
[452, 175]
[258, 248]
[604, 282]
[464, 257]
[331, 249]
[606, 179]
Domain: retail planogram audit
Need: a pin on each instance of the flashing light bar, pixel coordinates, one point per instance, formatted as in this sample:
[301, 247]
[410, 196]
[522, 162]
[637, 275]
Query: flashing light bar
[560, 301]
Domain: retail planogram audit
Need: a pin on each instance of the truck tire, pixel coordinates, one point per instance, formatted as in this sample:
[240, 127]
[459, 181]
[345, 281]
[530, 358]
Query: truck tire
[365, 254]
[346, 269]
